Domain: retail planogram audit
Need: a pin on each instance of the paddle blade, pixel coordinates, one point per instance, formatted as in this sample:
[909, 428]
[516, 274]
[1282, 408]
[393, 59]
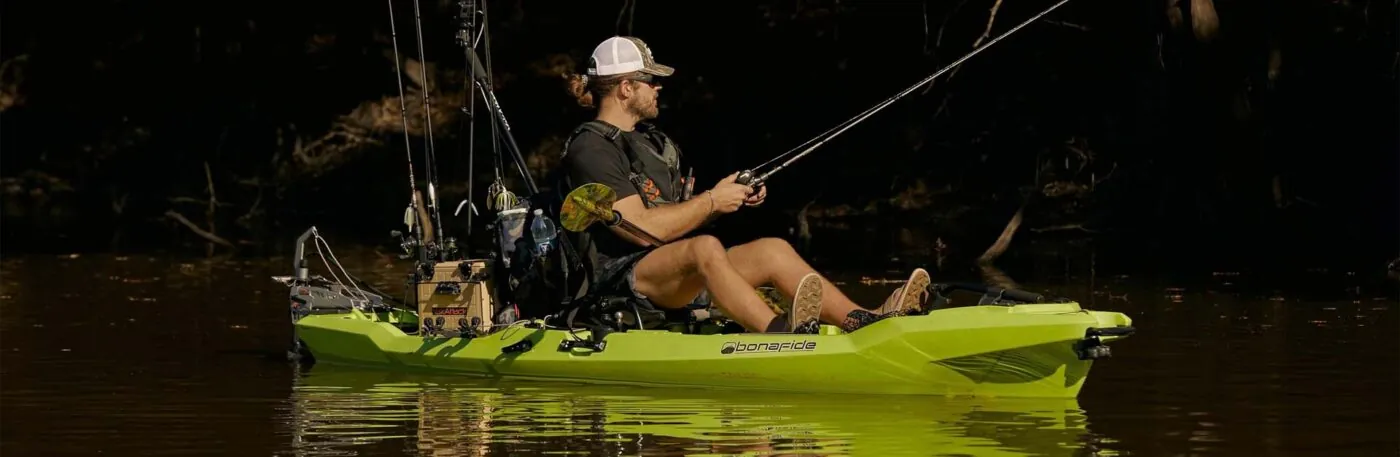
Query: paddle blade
[585, 205]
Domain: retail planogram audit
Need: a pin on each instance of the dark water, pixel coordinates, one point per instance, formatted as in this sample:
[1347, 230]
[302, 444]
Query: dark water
[153, 355]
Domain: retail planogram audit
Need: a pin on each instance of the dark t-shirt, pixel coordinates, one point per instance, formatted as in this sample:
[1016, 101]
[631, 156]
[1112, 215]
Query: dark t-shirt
[591, 158]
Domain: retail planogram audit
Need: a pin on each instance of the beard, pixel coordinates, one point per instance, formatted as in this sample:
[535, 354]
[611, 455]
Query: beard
[643, 109]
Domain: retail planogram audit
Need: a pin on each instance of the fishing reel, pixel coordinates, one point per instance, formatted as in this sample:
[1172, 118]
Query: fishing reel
[407, 242]
[447, 249]
[410, 244]
[752, 179]
[749, 178]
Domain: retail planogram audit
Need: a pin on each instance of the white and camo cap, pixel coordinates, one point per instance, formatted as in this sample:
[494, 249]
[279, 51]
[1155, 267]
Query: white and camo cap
[625, 54]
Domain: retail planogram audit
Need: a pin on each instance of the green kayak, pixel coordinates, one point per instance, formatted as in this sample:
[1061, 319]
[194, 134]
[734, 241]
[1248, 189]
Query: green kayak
[1041, 350]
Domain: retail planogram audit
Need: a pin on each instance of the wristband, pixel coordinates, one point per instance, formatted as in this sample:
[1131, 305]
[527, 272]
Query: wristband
[712, 200]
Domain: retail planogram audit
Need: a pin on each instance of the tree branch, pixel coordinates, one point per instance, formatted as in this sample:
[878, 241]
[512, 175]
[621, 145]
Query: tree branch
[991, 19]
[1004, 240]
[195, 201]
[990, 273]
[1068, 24]
[213, 200]
[938, 43]
[1106, 175]
[1056, 228]
[195, 228]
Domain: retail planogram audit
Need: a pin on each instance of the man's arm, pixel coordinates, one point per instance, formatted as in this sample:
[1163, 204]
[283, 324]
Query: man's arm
[666, 222]
[674, 221]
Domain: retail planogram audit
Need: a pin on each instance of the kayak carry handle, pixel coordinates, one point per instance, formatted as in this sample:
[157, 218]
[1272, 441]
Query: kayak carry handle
[569, 345]
[1122, 330]
[521, 346]
[1091, 347]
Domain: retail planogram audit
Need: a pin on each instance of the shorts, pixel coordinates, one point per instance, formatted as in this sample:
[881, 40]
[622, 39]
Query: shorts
[617, 277]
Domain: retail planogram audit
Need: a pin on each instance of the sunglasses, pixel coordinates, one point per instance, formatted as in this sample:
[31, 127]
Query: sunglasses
[650, 80]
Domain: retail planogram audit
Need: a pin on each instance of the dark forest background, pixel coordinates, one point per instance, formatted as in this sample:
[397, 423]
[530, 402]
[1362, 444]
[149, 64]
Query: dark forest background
[1245, 129]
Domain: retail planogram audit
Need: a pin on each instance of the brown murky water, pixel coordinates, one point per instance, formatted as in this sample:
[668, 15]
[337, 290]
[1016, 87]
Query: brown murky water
[150, 355]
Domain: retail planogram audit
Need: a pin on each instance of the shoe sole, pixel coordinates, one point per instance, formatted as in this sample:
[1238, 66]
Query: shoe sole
[911, 294]
[806, 301]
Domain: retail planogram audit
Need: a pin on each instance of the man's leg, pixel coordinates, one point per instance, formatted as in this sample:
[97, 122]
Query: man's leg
[673, 275]
[773, 261]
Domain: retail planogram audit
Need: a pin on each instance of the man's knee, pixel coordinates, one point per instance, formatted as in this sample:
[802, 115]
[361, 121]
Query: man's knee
[773, 245]
[705, 249]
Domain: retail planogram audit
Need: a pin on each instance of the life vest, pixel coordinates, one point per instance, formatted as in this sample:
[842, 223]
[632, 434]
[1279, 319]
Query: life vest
[669, 154]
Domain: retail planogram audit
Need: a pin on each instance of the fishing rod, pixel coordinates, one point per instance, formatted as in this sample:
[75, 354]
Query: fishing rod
[498, 197]
[429, 152]
[489, 96]
[465, 38]
[412, 211]
[751, 177]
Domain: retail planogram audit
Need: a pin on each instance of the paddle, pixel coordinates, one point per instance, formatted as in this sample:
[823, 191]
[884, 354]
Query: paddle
[593, 202]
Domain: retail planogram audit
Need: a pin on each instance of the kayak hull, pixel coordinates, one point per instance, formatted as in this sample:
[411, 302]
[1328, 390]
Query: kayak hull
[1031, 351]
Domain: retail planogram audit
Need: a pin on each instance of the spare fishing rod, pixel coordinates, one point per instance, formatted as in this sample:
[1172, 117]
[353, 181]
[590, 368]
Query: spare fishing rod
[466, 38]
[429, 151]
[508, 207]
[753, 178]
[498, 197]
[489, 96]
[412, 212]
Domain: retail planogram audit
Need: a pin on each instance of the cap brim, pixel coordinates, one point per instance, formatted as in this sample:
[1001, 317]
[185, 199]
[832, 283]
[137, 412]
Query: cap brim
[657, 69]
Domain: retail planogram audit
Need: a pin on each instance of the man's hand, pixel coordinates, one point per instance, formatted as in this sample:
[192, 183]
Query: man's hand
[728, 195]
[757, 198]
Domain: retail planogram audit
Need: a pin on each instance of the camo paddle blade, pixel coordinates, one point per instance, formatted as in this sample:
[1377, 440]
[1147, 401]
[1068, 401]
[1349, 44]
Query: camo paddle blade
[585, 205]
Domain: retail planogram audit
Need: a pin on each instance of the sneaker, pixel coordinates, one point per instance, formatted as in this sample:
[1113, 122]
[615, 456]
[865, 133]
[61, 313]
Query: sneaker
[806, 312]
[861, 318]
[909, 298]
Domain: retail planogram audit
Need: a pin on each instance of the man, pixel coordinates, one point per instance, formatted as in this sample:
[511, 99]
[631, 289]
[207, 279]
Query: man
[619, 150]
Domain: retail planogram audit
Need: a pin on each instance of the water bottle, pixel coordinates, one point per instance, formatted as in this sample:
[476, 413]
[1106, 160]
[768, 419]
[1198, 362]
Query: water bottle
[542, 230]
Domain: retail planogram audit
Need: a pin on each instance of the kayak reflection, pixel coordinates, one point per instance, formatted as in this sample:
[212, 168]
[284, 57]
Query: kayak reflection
[340, 410]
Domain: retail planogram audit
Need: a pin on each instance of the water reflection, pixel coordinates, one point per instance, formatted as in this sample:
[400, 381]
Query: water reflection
[163, 355]
[341, 411]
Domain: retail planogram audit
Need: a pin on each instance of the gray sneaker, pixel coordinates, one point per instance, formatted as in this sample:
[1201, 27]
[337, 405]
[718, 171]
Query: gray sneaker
[806, 313]
[909, 298]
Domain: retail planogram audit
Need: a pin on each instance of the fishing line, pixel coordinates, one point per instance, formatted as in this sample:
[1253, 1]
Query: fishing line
[751, 178]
